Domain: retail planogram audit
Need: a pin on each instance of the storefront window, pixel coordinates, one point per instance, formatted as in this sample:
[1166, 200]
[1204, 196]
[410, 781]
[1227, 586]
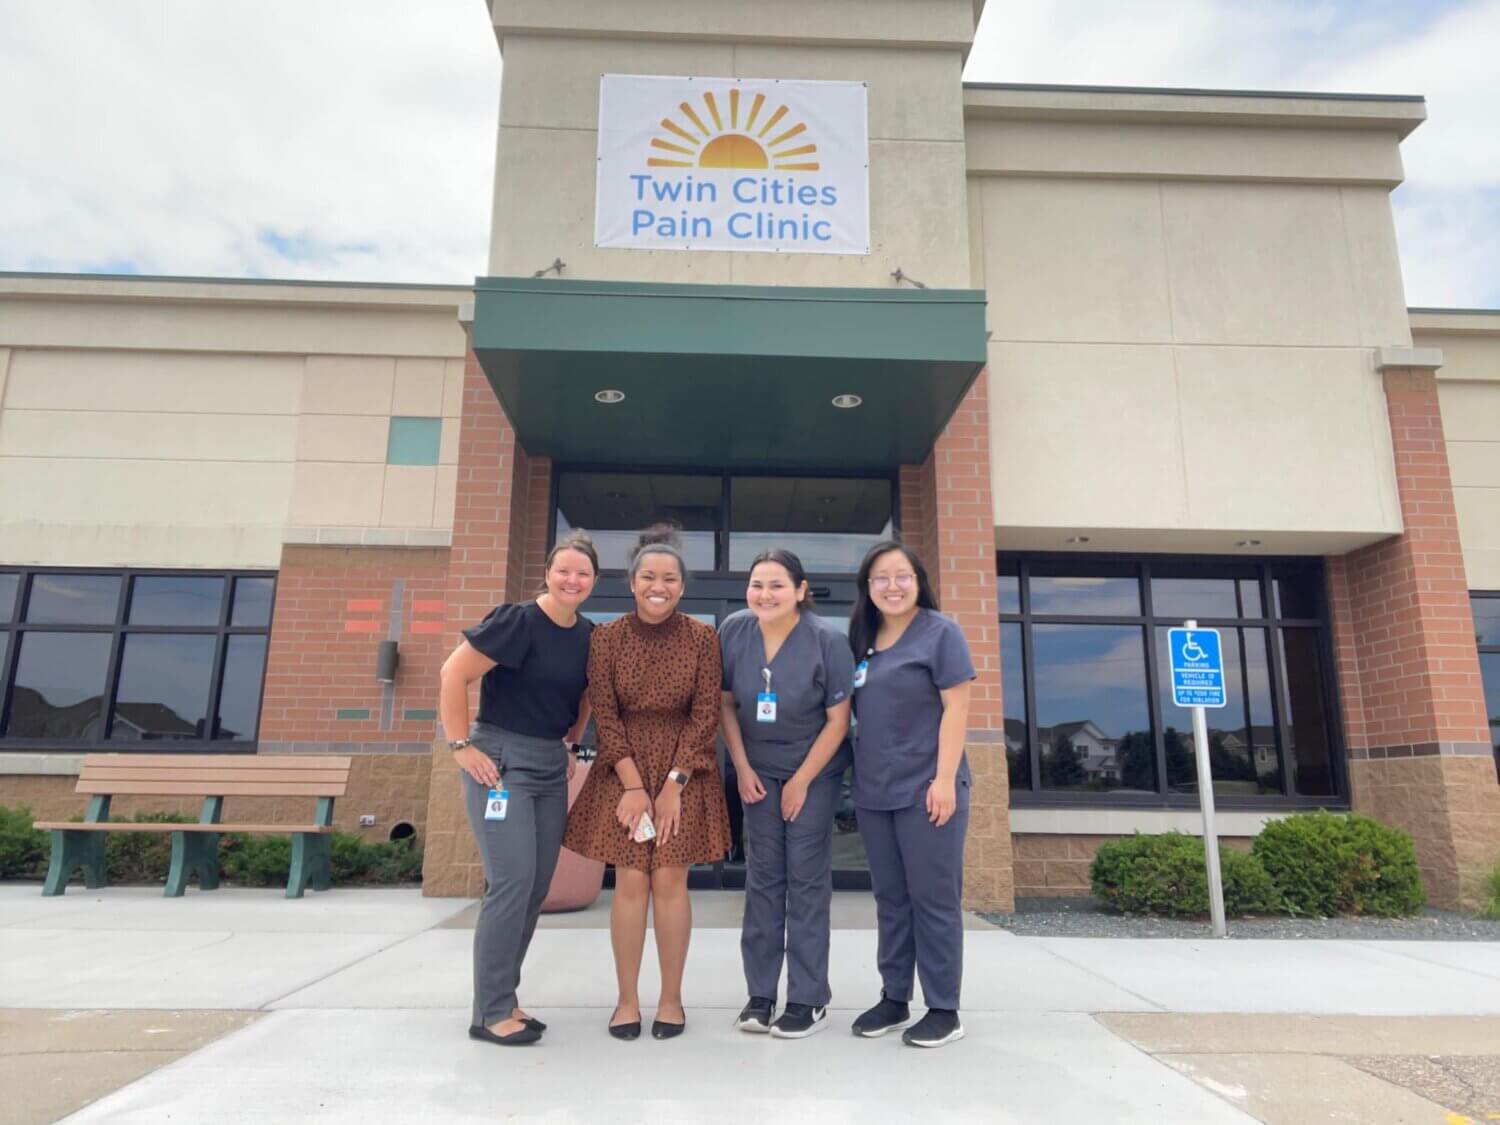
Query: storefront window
[614, 507]
[1101, 722]
[1487, 632]
[105, 660]
[829, 523]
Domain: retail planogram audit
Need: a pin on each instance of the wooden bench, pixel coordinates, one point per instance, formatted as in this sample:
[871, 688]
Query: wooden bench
[195, 847]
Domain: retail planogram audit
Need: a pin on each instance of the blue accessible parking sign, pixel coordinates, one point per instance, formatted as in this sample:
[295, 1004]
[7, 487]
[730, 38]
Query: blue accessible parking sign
[1197, 668]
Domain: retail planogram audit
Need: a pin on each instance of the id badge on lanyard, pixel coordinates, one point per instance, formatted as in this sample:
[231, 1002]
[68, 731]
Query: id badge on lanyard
[765, 702]
[862, 669]
[496, 803]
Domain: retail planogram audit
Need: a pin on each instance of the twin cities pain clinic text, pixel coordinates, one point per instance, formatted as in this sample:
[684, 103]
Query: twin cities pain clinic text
[775, 209]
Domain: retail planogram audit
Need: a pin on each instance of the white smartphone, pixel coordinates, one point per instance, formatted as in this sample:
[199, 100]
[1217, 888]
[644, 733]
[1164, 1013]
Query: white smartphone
[644, 829]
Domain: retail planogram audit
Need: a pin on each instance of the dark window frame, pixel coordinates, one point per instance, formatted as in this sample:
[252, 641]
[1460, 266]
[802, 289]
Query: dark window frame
[1262, 569]
[1487, 595]
[16, 627]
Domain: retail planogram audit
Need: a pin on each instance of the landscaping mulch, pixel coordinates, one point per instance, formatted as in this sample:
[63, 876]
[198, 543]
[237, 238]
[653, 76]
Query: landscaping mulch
[1090, 918]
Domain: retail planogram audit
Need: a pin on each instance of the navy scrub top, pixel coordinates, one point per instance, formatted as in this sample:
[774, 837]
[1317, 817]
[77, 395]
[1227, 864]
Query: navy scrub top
[899, 709]
[813, 671]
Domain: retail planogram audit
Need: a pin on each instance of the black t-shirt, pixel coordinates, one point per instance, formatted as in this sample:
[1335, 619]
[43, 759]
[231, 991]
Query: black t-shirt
[541, 669]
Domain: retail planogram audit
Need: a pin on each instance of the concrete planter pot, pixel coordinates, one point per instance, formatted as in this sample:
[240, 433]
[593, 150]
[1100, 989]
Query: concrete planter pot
[578, 880]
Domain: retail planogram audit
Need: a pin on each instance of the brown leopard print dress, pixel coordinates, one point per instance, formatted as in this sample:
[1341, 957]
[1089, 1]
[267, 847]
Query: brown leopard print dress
[654, 690]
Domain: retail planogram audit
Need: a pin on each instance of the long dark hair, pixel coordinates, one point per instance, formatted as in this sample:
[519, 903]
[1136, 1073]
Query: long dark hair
[789, 563]
[864, 619]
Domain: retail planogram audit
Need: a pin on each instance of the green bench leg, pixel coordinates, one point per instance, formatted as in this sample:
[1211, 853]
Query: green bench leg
[308, 864]
[193, 853]
[71, 851]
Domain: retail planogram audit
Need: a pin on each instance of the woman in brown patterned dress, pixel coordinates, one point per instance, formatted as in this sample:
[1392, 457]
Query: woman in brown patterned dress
[654, 681]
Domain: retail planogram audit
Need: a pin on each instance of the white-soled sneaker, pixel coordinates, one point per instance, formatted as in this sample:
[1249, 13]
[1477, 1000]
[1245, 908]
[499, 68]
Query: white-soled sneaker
[937, 1028]
[799, 1021]
[755, 1017]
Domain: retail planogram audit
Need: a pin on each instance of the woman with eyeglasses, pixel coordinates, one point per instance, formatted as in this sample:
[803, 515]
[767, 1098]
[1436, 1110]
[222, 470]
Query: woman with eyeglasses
[911, 789]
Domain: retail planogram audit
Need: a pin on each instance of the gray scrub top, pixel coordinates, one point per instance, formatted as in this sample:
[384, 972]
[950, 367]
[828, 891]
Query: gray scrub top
[813, 671]
[899, 708]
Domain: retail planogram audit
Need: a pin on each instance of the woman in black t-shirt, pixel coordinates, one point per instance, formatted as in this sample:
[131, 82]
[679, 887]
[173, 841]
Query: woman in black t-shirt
[531, 659]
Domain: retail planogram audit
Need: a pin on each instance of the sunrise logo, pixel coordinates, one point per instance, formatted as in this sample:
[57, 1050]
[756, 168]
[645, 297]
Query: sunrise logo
[695, 144]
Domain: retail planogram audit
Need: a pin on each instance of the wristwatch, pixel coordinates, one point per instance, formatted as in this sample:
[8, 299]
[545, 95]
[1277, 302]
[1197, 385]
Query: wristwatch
[458, 743]
[679, 776]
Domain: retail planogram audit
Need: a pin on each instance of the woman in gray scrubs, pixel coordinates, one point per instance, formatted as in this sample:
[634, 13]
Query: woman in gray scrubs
[787, 679]
[911, 789]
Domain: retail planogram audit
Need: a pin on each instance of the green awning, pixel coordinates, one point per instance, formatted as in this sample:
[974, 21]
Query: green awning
[732, 376]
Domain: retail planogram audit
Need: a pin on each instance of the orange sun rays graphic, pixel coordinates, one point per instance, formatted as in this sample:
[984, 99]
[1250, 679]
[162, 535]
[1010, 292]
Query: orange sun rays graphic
[698, 143]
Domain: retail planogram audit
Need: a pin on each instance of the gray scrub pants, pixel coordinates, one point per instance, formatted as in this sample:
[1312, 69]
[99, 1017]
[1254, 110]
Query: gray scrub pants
[789, 893]
[519, 855]
[917, 874]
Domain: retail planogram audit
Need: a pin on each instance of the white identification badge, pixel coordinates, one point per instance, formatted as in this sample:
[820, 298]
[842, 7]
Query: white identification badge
[860, 671]
[644, 829]
[496, 804]
[765, 707]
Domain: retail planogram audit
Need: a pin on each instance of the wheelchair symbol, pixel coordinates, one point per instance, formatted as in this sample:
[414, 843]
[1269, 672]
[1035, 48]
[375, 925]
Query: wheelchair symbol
[1193, 651]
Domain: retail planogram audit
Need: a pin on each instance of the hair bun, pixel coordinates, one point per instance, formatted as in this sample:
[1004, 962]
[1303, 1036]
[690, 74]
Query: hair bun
[660, 535]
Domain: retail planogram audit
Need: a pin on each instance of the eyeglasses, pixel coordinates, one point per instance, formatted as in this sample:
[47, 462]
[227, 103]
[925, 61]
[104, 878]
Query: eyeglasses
[902, 581]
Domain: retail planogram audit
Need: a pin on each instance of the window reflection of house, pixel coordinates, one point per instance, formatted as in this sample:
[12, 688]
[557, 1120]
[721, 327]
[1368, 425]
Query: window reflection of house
[1093, 752]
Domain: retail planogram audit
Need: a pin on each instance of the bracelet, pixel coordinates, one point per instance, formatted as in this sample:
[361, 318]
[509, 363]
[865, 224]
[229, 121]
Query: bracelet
[635, 788]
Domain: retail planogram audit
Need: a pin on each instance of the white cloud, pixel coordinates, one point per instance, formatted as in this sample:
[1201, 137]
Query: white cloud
[344, 139]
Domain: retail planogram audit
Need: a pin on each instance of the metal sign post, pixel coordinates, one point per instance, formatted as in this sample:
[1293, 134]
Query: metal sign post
[1198, 683]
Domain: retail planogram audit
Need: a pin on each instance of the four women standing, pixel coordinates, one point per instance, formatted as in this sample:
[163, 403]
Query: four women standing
[653, 803]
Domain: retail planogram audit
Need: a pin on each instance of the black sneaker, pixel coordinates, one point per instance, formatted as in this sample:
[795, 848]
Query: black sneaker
[799, 1021]
[885, 1016]
[756, 1015]
[938, 1027]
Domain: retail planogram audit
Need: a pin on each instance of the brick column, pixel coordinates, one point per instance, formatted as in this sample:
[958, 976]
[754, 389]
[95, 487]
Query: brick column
[948, 516]
[1408, 668]
[501, 493]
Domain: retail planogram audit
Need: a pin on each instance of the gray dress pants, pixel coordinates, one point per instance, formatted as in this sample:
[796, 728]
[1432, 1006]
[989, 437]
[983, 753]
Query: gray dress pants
[789, 893]
[917, 874]
[519, 855]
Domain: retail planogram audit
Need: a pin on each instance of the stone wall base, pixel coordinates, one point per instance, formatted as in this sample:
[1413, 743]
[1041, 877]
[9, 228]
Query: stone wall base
[451, 867]
[1057, 866]
[1451, 807]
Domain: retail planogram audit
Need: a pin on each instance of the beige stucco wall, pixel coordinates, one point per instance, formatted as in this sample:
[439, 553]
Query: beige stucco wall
[167, 423]
[910, 55]
[1184, 303]
[1469, 391]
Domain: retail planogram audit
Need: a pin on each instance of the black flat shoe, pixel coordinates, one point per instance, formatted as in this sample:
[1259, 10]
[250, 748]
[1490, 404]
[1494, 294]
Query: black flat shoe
[626, 1031]
[523, 1038]
[534, 1023]
[660, 1029]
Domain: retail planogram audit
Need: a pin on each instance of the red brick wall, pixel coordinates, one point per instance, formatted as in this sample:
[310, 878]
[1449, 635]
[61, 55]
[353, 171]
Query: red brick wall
[333, 607]
[1408, 668]
[501, 507]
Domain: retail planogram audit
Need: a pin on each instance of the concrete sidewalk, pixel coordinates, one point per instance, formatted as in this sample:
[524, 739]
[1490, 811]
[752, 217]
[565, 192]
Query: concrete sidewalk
[240, 1005]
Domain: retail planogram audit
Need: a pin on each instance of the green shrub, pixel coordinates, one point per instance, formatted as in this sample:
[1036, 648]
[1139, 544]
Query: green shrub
[1325, 864]
[1492, 883]
[1167, 874]
[141, 857]
[264, 861]
[23, 849]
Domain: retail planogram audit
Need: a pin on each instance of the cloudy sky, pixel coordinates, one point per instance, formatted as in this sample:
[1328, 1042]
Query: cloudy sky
[355, 140]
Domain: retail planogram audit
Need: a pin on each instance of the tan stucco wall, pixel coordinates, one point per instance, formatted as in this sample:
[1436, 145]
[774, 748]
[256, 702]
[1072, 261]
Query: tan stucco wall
[910, 55]
[183, 424]
[1469, 392]
[1184, 305]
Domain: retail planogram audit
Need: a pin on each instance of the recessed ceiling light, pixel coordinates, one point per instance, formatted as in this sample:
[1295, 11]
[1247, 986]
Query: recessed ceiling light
[1076, 539]
[609, 397]
[847, 402]
[1247, 542]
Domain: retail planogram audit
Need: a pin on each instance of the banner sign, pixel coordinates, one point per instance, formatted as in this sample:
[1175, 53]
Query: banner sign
[733, 164]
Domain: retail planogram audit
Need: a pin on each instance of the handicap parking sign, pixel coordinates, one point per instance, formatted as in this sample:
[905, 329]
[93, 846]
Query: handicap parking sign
[1197, 668]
